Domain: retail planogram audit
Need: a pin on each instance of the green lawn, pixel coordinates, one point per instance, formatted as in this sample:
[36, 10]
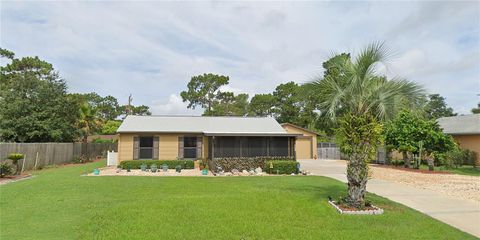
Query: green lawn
[463, 170]
[60, 204]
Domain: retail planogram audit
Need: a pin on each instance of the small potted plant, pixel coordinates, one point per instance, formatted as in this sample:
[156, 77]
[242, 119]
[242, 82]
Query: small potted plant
[205, 170]
[165, 167]
[178, 168]
[143, 167]
[153, 168]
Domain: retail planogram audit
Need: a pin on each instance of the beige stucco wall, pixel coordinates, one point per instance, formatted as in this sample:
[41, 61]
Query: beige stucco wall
[471, 142]
[305, 146]
[168, 145]
[125, 146]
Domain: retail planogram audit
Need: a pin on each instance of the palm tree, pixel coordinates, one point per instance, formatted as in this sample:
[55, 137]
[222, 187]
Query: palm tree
[357, 98]
[88, 122]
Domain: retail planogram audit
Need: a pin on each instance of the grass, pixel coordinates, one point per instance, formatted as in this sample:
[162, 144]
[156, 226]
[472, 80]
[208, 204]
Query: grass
[60, 204]
[462, 170]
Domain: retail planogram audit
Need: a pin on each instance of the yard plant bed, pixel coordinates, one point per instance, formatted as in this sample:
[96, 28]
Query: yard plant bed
[345, 209]
[61, 204]
[14, 178]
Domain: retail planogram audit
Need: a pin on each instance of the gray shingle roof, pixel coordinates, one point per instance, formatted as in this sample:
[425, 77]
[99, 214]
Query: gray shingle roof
[458, 125]
[205, 125]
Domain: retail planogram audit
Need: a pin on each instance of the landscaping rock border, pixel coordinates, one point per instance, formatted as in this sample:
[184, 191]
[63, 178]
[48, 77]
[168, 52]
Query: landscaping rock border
[377, 210]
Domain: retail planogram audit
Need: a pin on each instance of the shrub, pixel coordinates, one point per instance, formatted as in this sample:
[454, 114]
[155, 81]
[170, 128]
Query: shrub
[243, 163]
[396, 162]
[83, 158]
[5, 169]
[281, 167]
[135, 164]
[470, 157]
[15, 157]
[454, 158]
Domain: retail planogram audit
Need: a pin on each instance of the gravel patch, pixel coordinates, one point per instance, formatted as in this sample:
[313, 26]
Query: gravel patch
[460, 186]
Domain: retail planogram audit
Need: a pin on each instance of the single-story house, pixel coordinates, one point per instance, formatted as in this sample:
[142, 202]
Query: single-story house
[306, 143]
[195, 137]
[465, 129]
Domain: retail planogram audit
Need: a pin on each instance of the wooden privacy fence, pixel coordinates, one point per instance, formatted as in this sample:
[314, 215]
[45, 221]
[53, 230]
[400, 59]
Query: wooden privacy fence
[43, 154]
[326, 150]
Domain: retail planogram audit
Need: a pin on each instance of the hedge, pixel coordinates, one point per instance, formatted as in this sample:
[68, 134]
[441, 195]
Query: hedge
[135, 164]
[281, 167]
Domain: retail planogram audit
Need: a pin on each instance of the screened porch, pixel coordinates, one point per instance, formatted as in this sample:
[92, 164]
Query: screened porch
[251, 146]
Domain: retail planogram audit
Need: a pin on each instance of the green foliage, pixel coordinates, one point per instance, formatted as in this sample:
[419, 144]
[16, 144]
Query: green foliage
[352, 86]
[105, 108]
[203, 90]
[110, 127]
[359, 137]
[289, 102]
[15, 157]
[4, 53]
[141, 110]
[436, 107]
[136, 164]
[88, 122]
[459, 157]
[407, 131]
[5, 169]
[227, 104]
[281, 167]
[477, 109]
[99, 140]
[262, 105]
[34, 106]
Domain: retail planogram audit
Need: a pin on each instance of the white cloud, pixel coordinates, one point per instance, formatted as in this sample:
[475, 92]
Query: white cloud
[174, 106]
[151, 49]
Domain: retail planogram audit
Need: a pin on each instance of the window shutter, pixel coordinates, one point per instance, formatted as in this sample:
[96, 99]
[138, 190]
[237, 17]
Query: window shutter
[155, 147]
[180, 147]
[199, 147]
[136, 146]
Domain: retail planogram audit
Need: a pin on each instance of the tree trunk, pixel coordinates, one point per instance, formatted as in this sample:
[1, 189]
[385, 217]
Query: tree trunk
[357, 175]
[406, 160]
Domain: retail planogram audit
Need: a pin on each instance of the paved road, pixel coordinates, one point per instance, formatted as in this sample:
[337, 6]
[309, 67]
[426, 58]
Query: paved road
[462, 214]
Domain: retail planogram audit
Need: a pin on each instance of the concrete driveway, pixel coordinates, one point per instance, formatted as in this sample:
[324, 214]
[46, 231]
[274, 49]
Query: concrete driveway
[462, 214]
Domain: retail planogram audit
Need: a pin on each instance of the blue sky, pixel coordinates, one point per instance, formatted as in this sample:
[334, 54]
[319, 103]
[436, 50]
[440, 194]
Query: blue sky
[151, 49]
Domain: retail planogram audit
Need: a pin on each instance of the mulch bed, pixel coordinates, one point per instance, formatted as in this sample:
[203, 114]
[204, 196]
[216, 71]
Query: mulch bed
[14, 178]
[345, 207]
[412, 169]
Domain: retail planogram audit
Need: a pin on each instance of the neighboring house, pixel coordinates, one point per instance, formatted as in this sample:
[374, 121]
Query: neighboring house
[465, 129]
[178, 137]
[306, 144]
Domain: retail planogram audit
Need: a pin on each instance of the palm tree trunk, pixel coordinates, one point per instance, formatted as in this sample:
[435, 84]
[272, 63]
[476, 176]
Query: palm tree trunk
[357, 175]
